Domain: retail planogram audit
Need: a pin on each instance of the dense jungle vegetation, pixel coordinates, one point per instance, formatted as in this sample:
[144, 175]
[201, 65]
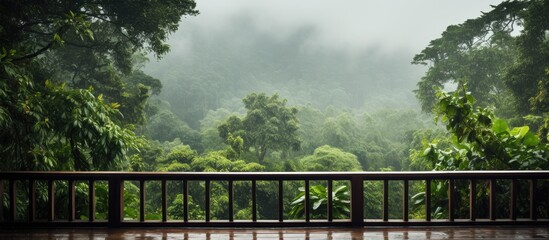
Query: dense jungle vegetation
[84, 88]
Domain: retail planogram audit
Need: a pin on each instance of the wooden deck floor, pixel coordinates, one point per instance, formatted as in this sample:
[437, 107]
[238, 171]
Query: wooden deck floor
[499, 233]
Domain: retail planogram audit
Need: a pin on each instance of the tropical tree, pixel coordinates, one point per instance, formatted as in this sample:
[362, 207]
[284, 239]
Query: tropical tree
[326, 158]
[268, 125]
[489, 56]
[61, 68]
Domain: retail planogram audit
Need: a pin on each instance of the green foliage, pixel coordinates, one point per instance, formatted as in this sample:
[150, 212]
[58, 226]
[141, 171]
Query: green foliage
[481, 141]
[131, 201]
[528, 77]
[340, 130]
[268, 125]
[164, 125]
[177, 160]
[208, 129]
[52, 127]
[318, 196]
[378, 139]
[175, 208]
[218, 162]
[55, 57]
[488, 55]
[326, 158]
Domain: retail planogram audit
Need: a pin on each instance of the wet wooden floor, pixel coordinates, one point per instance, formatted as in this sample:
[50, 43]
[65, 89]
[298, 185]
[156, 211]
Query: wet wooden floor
[499, 233]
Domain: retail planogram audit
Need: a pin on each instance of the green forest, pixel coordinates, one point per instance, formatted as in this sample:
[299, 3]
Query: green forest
[93, 86]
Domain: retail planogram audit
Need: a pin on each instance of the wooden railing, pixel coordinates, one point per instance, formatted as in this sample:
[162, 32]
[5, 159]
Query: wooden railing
[10, 200]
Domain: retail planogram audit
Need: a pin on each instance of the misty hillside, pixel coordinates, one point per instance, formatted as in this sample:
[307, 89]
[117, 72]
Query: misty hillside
[211, 69]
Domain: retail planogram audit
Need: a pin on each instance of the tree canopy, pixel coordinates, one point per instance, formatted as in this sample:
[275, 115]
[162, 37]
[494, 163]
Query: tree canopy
[268, 125]
[503, 51]
[62, 65]
[326, 158]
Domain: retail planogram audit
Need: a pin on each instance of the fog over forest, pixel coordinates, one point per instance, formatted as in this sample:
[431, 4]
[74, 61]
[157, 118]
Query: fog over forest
[353, 55]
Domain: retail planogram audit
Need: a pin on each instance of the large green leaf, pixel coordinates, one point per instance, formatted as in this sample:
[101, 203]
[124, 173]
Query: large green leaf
[530, 139]
[317, 204]
[500, 126]
[520, 132]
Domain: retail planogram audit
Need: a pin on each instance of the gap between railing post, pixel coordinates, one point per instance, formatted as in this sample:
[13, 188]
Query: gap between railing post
[116, 201]
[357, 201]
[142, 200]
[72, 200]
[51, 200]
[513, 201]
[13, 200]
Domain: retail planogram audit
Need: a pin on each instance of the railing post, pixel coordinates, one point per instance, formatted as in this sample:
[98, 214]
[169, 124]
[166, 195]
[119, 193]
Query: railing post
[428, 200]
[231, 201]
[164, 199]
[51, 200]
[385, 200]
[1, 200]
[280, 201]
[91, 200]
[492, 199]
[405, 201]
[451, 200]
[533, 204]
[330, 203]
[71, 195]
[307, 208]
[472, 199]
[116, 201]
[357, 201]
[185, 200]
[254, 201]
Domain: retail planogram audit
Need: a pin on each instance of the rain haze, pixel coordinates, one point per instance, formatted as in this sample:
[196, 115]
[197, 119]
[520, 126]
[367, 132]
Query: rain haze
[357, 54]
[351, 26]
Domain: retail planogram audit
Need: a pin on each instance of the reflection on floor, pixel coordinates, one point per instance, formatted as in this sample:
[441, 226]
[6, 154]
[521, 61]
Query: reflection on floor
[498, 233]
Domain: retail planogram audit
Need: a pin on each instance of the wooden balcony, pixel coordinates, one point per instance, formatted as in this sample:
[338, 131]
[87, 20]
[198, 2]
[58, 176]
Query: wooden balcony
[423, 233]
[532, 182]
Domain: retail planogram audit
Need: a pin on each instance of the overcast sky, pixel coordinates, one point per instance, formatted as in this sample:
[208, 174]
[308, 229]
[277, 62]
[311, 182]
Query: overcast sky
[349, 25]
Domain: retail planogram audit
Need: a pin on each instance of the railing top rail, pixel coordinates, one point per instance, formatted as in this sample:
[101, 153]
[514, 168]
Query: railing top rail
[410, 175]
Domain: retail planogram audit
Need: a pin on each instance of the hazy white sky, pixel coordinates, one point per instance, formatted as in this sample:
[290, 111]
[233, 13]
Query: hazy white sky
[391, 25]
